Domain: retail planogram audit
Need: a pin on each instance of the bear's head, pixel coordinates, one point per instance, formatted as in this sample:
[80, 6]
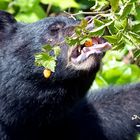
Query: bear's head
[19, 42]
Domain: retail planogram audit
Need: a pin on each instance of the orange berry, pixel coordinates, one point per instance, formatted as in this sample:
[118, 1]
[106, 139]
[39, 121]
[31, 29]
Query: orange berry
[47, 73]
[89, 43]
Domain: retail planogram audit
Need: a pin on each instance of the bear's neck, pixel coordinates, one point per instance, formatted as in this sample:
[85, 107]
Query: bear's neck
[51, 101]
[60, 97]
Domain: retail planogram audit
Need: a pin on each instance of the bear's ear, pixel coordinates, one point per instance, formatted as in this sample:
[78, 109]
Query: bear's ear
[6, 21]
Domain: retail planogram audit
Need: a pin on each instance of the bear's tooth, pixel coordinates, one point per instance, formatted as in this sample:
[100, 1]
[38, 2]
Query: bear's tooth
[79, 49]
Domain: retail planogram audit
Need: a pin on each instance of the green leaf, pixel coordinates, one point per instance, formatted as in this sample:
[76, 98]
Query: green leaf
[100, 30]
[114, 4]
[101, 81]
[63, 4]
[137, 8]
[133, 1]
[118, 24]
[136, 28]
[56, 50]
[97, 32]
[45, 60]
[43, 57]
[121, 24]
[134, 35]
[3, 5]
[119, 45]
[51, 64]
[112, 29]
[71, 41]
[126, 11]
[5, 0]
[31, 16]
[78, 31]
[26, 5]
[111, 39]
[98, 23]
[115, 72]
[137, 54]
[125, 23]
[47, 48]
[83, 23]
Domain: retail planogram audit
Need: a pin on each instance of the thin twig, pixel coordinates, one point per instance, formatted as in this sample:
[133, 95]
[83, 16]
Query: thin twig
[48, 9]
[86, 13]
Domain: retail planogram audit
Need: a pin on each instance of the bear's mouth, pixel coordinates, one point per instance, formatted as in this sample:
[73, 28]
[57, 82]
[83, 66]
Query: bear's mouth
[81, 52]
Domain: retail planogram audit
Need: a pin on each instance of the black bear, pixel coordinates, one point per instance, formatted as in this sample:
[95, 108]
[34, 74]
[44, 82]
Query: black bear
[35, 108]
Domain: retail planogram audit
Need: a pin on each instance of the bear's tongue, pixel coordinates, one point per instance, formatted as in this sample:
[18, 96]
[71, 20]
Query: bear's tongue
[87, 51]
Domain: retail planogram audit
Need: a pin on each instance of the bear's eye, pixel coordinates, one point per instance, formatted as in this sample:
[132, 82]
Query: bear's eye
[56, 27]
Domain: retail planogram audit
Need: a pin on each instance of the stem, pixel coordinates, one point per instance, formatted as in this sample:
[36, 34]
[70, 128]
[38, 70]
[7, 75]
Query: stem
[86, 13]
[48, 9]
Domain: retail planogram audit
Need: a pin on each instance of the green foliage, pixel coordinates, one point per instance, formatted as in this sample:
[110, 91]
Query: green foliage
[117, 25]
[34, 10]
[81, 34]
[122, 30]
[116, 72]
[63, 4]
[24, 10]
[45, 59]
[114, 5]
[120, 26]
[124, 35]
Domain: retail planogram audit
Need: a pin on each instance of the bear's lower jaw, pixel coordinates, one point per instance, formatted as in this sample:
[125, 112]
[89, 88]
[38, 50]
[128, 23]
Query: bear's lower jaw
[84, 57]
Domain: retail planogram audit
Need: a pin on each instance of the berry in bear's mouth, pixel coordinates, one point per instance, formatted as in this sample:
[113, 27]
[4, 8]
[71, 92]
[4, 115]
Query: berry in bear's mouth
[95, 45]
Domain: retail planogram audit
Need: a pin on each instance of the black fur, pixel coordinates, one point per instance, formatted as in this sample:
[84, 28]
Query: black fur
[35, 108]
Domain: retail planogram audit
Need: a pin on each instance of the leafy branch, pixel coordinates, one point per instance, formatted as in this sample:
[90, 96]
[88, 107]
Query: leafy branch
[113, 20]
[45, 59]
[116, 24]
